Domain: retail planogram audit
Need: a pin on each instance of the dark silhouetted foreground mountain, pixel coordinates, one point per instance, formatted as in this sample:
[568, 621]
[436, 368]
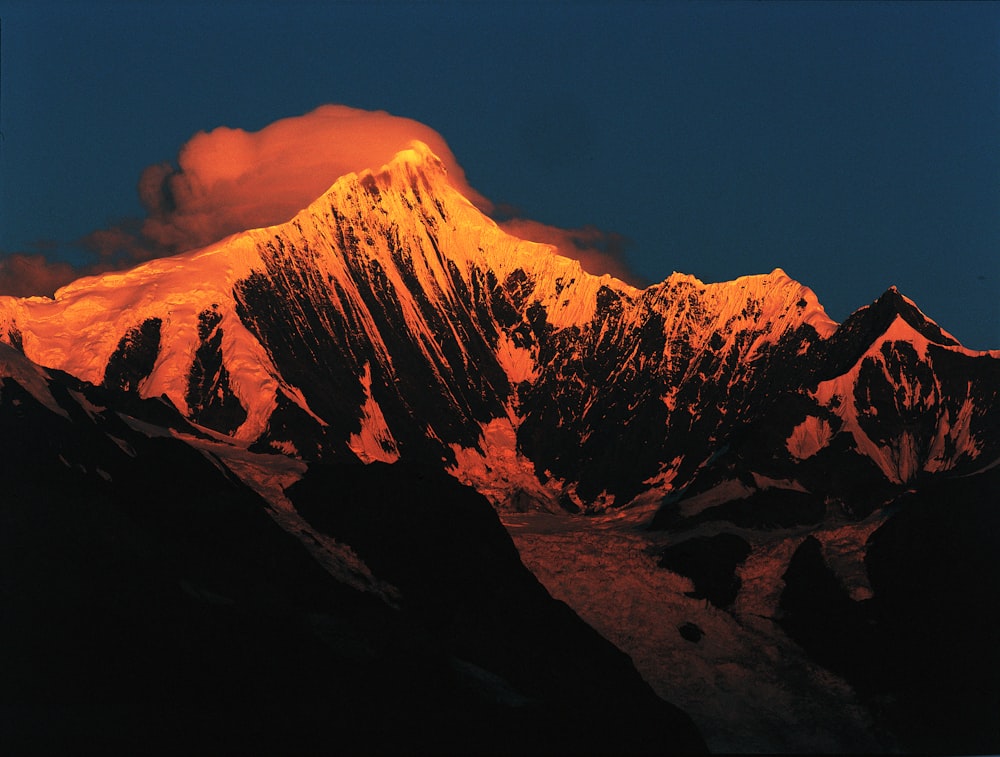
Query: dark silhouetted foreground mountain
[151, 604]
[923, 646]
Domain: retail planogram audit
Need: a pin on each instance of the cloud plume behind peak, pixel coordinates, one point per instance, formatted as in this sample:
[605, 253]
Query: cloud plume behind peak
[228, 180]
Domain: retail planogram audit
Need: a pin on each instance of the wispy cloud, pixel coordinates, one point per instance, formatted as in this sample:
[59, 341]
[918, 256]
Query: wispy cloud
[598, 251]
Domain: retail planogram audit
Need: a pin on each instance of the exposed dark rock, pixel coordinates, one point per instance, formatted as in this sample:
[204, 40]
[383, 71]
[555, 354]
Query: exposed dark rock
[16, 339]
[210, 397]
[817, 612]
[691, 632]
[710, 562]
[922, 650]
[934, 570]
[135, 356]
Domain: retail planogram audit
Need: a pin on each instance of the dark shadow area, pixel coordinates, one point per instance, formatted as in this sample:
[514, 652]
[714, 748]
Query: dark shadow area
[459, 574]
[152, 606]
[710, 562]
[923, 650]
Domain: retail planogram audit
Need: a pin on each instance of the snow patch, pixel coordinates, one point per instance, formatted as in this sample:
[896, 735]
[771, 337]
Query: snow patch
[809, 437]
[32, 378]
[659, 486]
[123, 445]
[374, 442]
[727, 491]
[86, 405]
[517, 362]
[844, 549]
[766, 482]
[499, 472]
[285, 447]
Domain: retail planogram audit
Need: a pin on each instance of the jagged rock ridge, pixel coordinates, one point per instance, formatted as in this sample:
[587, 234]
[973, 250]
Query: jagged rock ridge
[390, 319]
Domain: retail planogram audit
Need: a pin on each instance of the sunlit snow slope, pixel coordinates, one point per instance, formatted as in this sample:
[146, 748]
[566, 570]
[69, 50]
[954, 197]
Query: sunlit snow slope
[391, 319]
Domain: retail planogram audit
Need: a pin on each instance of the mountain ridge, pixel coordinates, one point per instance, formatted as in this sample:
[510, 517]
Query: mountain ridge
[450, 342]
[738, 453]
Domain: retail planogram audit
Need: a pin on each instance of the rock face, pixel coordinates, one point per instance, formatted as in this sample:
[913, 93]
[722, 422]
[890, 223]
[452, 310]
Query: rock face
[155, 604]
[391, 320]
[889, 402]
[710, 562]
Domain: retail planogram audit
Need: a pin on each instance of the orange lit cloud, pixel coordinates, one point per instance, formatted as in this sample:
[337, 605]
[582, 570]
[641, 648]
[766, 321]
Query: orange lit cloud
[26, 275]
[228, 180]
[121, 245]
[599, 252]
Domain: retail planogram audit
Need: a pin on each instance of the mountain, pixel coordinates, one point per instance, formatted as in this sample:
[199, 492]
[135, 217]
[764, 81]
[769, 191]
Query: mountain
[740, 467]
[887, 403]
[392, 320]
[154, 604]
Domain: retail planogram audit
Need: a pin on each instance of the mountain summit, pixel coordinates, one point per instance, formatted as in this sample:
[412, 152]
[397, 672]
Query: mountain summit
[392, 320]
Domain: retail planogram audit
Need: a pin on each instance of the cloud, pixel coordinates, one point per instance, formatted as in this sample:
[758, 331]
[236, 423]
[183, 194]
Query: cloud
[598, 251]
[26, 275]
[228, 180]
[121, 245]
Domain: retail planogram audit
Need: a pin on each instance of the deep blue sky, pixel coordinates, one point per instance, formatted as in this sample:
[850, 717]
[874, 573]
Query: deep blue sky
[856, 146]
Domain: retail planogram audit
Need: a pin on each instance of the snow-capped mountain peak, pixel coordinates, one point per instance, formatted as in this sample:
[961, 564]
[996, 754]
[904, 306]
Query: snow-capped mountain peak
[392, 319]
[915, 401]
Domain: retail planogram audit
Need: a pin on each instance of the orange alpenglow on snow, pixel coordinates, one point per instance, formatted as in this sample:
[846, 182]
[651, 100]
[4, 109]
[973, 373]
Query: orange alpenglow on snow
[80, 328]
[402, 203]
